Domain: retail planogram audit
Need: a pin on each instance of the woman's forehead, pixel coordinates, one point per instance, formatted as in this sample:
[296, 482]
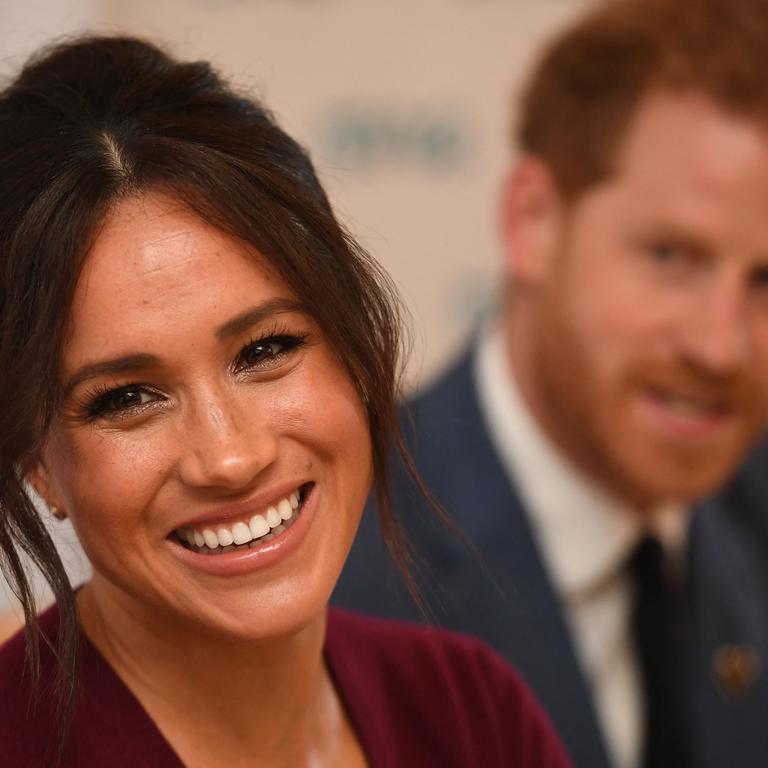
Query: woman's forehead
[154, 268]
[161, 244]
[147, 226]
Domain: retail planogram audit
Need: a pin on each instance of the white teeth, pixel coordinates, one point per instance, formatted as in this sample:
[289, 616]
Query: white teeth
[285, 509]
[259, 526]
[241, 533]
[273, 517]
[687, 407]
[258, 529]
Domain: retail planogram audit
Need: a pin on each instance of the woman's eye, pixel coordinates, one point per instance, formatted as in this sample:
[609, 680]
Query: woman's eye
[264, 352]
[128, 398]
[116, 402]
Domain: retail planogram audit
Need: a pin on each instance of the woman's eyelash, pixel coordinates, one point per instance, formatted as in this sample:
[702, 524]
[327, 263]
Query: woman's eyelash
[104, 401]
[266, 350]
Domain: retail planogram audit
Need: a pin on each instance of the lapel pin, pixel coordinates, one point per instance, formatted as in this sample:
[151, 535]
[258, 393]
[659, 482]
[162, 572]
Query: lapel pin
[736, 668]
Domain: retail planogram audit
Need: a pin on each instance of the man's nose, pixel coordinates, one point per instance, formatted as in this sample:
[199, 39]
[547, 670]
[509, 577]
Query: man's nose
[224, 445]
[716, 338]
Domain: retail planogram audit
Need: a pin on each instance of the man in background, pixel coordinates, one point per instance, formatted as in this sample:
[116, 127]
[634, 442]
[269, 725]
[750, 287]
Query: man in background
[580, 441]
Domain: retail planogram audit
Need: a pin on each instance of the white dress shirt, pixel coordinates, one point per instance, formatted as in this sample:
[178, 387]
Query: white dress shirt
[585, 537]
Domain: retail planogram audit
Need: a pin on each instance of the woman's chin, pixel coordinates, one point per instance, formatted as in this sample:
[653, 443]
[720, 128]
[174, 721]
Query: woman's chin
[259, 620]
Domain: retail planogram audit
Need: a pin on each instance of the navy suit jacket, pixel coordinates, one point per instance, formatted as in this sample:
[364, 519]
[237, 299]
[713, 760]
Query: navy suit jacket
[503, 594]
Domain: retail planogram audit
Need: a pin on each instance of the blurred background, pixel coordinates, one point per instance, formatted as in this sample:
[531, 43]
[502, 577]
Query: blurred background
[405, 105]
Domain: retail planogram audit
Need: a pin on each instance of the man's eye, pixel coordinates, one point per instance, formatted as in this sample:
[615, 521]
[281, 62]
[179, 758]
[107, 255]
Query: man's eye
[667, 253]
[760, 278]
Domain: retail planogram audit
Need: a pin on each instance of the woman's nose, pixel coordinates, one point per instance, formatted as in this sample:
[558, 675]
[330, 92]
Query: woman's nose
[224, 445]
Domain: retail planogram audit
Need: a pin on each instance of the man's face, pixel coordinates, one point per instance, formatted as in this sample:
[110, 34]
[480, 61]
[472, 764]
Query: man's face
[647, 358]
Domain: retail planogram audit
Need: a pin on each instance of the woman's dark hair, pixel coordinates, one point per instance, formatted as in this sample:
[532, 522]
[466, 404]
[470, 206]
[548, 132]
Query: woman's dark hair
[90, 122]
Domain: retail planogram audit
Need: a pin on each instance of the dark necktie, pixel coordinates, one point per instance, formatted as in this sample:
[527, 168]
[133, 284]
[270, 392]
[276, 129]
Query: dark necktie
[654, 629]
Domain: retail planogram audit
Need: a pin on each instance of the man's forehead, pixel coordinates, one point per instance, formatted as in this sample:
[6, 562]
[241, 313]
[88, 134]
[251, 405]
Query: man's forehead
[683, 123]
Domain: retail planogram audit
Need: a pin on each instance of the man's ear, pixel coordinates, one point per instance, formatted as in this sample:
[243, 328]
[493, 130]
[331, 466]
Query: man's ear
[531, 212]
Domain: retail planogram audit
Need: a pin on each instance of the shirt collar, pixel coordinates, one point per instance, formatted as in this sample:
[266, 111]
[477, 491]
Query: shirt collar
[586, 535]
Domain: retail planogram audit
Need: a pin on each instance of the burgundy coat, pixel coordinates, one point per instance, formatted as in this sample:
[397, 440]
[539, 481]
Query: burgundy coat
[416, 696]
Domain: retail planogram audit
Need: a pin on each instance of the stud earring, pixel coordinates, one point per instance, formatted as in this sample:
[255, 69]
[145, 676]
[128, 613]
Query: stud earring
[59, 514]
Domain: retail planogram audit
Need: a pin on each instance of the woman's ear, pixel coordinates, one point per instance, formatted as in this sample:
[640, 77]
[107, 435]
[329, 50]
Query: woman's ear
[531, 212]
[39, 479]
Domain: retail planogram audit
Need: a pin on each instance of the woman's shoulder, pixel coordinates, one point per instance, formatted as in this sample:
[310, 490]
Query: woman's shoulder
[25, 716]
[401, 652]
[13, 668]
[109, 726]
[411, 671]
[15, 671]
[417, 648]
[13, 641]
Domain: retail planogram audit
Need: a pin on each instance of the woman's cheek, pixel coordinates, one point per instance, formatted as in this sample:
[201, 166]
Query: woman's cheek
[131, 467]
[327, 408]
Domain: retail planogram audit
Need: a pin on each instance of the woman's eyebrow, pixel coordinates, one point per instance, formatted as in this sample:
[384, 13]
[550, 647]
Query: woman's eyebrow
[117, 365]
[255, 315]
[142, 361]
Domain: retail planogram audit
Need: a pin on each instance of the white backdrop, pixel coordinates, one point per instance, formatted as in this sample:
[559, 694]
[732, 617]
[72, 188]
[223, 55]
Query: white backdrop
[406, 106]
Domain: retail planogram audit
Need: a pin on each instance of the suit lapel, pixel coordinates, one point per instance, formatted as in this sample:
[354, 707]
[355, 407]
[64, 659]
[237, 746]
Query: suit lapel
[726, 646]
[512, 604]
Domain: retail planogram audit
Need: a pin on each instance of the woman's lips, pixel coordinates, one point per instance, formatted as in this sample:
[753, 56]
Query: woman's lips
[211, 537]
[232, 559]
[230, 513]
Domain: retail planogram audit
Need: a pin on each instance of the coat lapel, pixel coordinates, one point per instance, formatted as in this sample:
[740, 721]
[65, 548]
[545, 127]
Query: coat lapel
[506, 597]
[726, 643]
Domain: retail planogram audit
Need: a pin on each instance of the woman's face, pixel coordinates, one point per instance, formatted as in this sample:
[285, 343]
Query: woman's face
[203, 407]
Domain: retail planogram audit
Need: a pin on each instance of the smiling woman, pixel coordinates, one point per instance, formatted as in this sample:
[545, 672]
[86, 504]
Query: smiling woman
[200, 371]
[228, 436]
